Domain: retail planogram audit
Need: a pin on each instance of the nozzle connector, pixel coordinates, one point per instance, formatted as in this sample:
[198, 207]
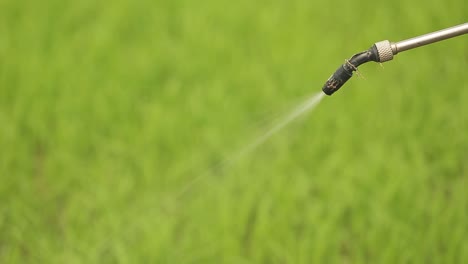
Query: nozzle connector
[384, 50]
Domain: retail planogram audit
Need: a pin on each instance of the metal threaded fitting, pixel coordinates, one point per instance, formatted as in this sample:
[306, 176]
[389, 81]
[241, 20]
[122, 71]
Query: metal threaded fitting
[384, 49]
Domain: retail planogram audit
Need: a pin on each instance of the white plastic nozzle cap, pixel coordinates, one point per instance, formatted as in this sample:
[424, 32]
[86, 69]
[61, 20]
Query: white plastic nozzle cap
[384, 49]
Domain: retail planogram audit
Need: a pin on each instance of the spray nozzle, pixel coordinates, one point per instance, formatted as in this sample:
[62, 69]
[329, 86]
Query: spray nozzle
[345, 71]
[384, 51]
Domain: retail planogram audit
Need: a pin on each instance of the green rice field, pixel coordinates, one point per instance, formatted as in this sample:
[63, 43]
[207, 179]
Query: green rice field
[121, 124]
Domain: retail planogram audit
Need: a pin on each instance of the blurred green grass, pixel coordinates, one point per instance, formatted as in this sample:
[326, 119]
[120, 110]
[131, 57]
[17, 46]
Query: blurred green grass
[109, 109]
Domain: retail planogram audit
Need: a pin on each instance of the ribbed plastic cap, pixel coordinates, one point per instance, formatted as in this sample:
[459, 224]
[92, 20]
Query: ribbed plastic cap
[385, 50]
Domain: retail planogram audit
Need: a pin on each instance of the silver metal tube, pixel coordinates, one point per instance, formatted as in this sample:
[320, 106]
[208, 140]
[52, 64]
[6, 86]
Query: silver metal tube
[429, 38]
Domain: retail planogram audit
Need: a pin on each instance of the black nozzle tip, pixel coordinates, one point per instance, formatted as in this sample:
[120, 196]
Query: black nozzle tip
[345, 71]
[337, 80]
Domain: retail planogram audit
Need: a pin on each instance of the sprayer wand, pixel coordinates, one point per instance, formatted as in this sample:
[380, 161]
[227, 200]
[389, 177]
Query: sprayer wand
[383, 51]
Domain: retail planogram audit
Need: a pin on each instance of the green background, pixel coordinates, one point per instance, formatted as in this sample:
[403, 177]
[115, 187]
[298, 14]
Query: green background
[110, 109]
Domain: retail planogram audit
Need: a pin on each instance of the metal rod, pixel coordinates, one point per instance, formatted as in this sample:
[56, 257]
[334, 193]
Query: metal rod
[429, 38]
